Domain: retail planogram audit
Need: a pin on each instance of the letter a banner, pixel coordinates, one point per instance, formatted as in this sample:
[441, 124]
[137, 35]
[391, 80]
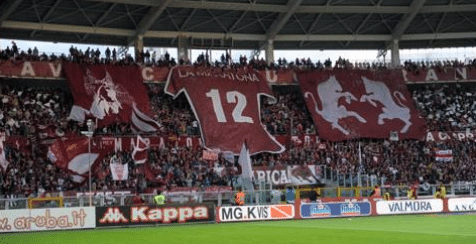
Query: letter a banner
[347, 104]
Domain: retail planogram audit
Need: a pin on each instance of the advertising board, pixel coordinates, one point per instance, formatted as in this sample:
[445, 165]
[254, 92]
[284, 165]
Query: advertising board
[47, 219]
[250, 213]
[152, 215]
[462, 204]
[335, 209]
[410, 206]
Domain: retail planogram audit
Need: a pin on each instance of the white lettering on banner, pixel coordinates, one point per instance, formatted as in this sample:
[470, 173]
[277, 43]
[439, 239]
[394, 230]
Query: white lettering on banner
[167, 215]
[249, 213]
[404, 73]
[443, 136]
[462, 204]
[251, 77]
[271, 78]
[147, 73]
[47, 219]
[108, 196]
[410, 206]
[27, 69]
[118, 144]
[460, 74]
[431, 75]
[296, 175]
[56, 71]
[276, 177]
[133, 142]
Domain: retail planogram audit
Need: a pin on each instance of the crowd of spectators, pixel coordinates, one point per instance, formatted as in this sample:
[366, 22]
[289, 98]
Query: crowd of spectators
[122, 57]
[27, 111]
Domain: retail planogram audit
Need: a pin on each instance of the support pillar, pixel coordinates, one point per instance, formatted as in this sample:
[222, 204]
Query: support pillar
[269, 51]
[139, 48]
[395, 54]
[183, 49]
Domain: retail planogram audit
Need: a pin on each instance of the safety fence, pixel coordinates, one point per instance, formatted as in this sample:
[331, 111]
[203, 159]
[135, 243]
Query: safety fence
[220, 198]
[20, 220]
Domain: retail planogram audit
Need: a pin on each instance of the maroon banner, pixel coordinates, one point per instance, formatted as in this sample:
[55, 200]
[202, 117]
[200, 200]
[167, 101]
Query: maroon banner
[54, 70]
[31, 69]
[109, 94]
[226, 105]
[447, 74]
[128, 143]
[347, 104]
[275, 77]
[76, 156]
[440, 136]
[155, 74]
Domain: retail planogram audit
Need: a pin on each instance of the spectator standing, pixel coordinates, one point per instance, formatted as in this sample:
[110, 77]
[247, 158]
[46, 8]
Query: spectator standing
[108, 53]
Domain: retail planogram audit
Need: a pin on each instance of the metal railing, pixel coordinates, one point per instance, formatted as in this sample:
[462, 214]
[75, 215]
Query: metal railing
[262, 197]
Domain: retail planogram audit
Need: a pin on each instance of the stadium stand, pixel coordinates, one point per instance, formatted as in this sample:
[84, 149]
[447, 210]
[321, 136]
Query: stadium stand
[41, 112]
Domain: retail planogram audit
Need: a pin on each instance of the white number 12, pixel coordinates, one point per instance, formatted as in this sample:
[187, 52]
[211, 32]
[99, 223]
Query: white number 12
[231, 97]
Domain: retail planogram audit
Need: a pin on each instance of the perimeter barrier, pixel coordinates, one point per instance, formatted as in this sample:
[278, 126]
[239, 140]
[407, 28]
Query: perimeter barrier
[122, 215]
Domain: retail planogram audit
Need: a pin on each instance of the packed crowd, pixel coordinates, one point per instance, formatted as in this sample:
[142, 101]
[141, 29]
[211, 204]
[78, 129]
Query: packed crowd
[27, 111]
[41, 113]
[122, 57]
[447, 107]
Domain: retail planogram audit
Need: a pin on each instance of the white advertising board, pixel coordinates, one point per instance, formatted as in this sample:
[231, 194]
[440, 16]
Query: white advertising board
[249, 213]
[462, 204]
[410, 206]
[47, 219]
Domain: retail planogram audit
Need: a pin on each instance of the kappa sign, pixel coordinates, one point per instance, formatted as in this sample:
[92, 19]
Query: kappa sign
[262, 212]
[147, 215]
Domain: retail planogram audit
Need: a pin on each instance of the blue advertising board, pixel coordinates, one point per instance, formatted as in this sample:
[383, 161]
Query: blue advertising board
[335, 209]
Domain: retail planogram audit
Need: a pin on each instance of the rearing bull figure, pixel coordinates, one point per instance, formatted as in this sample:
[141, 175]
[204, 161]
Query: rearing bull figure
[376, 91]
[329, 93]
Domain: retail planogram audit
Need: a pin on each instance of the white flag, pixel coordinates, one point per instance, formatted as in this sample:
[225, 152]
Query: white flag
[245, 162]
[3, 161]
[140, 153]
[119, 171]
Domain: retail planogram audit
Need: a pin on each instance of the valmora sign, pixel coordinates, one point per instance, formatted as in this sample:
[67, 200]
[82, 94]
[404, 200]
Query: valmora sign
[410, 206]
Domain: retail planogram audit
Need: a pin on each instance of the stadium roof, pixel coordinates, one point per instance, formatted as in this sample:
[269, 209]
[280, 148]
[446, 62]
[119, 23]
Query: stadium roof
[248, 24]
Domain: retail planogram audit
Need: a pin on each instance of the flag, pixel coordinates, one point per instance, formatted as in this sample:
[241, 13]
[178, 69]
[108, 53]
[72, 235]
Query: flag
[246, 170]
[245, 162]
[444, 155]
[110, 94]
[3, 161]
[119, 171]
[140, 153]
[73, 156]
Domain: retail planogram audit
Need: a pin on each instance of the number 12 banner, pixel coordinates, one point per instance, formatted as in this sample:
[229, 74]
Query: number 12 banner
[227, 105]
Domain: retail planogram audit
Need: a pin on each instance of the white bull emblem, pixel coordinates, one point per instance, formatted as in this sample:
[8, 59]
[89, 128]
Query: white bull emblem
[329, 93]
[106, 98]
[376, 91]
